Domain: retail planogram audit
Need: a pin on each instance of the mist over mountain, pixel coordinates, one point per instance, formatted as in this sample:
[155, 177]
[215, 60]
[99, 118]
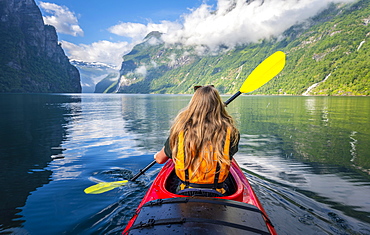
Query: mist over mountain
[327, 54]
[234, 23]
[229, 23]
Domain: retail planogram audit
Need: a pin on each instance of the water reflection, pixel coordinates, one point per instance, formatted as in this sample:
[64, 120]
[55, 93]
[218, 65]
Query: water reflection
[306, 157]
[150, 116]
[313, 129]
[32, 130]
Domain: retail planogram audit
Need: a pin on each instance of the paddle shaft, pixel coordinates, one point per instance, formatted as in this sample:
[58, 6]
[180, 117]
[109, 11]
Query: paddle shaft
[142, 171]
[232, 98]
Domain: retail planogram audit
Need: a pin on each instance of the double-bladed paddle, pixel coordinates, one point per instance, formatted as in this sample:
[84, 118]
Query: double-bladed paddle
[263, 73]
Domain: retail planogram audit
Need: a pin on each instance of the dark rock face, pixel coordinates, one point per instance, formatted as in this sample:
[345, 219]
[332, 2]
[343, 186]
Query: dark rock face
[31, 60]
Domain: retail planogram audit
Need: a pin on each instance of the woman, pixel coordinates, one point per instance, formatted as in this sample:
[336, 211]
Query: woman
[202, 141]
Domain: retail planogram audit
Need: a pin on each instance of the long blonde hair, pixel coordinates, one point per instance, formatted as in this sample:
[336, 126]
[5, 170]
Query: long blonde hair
[205, 123]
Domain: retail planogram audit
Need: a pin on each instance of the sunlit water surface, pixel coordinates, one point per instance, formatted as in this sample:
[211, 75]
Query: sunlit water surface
[307, 158]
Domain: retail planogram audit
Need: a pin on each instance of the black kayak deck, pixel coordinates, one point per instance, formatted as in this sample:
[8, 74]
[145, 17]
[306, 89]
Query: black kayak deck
[198, 215]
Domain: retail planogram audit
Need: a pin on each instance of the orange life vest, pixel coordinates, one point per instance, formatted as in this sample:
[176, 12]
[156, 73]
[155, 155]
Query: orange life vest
[203, 178]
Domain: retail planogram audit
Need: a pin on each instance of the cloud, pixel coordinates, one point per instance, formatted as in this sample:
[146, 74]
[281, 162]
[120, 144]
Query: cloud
[235, 22]
[102, 51]
[137, 31]
[141, 71]
[61, 18]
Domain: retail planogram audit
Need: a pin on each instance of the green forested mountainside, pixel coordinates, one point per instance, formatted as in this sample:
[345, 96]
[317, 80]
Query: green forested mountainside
[330, 50]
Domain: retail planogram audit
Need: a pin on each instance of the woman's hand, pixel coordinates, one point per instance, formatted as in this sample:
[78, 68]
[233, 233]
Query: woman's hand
[160, 157]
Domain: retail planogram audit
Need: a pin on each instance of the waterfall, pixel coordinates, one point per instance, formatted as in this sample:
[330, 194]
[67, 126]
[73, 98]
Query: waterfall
[307, 92]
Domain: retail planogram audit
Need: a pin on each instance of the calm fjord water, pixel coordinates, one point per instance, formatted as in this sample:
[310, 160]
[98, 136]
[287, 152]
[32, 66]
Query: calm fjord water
[307, 158]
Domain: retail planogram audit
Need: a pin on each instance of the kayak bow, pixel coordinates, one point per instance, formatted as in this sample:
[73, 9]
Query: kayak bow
[163, 211]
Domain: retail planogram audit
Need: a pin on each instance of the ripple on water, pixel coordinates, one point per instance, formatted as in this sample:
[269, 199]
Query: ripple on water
[292, 209]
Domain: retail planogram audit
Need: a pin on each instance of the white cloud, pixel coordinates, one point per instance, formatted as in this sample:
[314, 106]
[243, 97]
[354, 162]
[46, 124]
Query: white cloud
[61, 18]
[141, 71]
[102, 51]
[236, 22]
[138, 31]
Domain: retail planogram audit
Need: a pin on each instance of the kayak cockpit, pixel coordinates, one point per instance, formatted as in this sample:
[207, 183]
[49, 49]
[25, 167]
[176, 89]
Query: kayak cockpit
[173, 182]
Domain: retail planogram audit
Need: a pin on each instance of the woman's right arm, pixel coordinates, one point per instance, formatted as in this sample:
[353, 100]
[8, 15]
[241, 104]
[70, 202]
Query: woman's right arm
[160, 157]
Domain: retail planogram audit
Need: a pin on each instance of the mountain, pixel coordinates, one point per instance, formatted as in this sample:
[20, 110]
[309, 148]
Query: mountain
[326, 55]
[108, 84]
[31, 58]
[92, 73]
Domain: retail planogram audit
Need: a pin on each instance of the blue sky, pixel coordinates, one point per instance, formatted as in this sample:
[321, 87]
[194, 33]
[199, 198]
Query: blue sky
[96, 16]
[103, 31]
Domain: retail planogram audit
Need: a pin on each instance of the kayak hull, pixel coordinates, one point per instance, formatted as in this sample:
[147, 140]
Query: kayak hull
[163, 211]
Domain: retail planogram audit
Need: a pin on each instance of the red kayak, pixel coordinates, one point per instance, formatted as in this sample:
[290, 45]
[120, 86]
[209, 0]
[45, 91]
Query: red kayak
[162, 211]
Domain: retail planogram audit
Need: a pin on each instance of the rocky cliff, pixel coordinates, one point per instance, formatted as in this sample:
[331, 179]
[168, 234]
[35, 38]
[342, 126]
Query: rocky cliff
[31, 60]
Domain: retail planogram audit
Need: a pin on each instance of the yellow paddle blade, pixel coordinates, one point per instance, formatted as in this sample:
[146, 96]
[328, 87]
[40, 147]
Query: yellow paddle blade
[104, 187]
[264, 72]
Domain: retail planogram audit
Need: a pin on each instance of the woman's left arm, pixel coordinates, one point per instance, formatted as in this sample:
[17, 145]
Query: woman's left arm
[234, 146]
